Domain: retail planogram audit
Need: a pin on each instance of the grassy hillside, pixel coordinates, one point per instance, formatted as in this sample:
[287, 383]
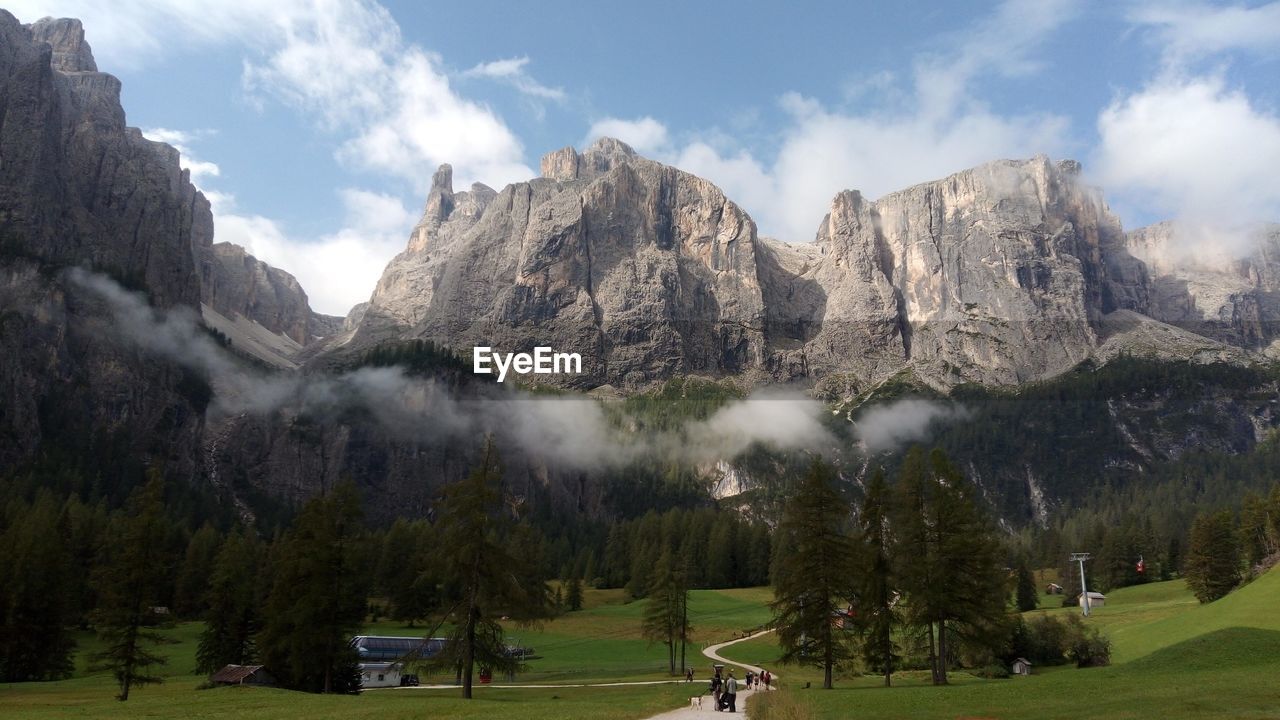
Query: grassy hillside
[1173, 658]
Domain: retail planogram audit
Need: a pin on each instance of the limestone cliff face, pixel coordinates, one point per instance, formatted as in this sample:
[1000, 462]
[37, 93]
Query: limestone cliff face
[233, 282]
[79, 188]
[997, 275]
[1198, 286]
[76, 184]
[645, 270]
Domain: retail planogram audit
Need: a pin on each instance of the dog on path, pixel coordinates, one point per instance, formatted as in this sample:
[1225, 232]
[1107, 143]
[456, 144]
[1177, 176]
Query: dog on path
[695, 703]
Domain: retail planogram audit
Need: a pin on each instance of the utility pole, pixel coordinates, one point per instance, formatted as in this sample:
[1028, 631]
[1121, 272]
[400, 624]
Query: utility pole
[1084, 591]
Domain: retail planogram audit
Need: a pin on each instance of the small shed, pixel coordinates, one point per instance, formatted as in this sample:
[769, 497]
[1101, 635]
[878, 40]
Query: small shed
[1096, 600]
[242, 675]
[1022, 666]
[1053, 589]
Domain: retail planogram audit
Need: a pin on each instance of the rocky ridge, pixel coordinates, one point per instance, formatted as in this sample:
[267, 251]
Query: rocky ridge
[999, 275]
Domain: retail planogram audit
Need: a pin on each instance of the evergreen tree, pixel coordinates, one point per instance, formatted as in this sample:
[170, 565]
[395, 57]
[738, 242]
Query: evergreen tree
[814, 571]
[232, 620]
[973, 567]
[35, 587]
[490, 570]
[666, 612]
[1173, 556]
[1213, 558]
[193, 577]
[86, 528]
[877, 613]
[317, 600]
[952, 568]
[573, 597]
[1028, 597]
[412, 584]
[1256, 538]
[917, 559]
[130, 582]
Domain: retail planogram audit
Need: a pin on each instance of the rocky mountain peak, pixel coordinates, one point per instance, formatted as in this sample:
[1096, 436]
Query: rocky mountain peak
[71, 53]
[599, 158]
[440, 198]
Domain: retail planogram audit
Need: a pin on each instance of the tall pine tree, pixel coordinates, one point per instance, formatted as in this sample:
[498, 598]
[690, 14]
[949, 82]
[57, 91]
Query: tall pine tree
[130, 583]
[1027, 597]
[1212, 566]
[490, 570]
[877, 597]
[232, 596]
[36, 603]
[814, 571]
[951, 561]
[317, 601]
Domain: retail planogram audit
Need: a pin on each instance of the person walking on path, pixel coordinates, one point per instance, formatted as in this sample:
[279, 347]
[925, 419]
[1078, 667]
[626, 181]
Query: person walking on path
[731, 692]
[688, 675]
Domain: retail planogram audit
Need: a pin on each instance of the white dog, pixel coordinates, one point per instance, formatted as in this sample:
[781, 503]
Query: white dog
[695, 703]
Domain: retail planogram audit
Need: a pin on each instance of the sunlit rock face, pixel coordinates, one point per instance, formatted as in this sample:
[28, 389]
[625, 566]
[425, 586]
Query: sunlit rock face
[998, 274]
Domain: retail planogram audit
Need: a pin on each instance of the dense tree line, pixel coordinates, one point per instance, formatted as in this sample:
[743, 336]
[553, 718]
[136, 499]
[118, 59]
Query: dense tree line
[719, 549]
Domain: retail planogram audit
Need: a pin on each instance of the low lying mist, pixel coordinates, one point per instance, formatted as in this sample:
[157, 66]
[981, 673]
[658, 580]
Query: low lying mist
[888, 427]
[566, 431]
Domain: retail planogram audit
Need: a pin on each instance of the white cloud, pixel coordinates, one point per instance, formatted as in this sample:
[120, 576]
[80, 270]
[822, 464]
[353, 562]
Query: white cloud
[646, 135]
[341, 62]
[936, 127]
[181, 141]
[338, 270]
[512, 71]
[1192, 30]
[1192, 148]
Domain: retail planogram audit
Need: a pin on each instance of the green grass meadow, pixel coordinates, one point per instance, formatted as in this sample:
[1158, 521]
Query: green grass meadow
[1173, 658]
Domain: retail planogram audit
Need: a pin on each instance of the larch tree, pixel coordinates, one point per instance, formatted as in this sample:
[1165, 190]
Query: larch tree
[129, 581]
[878, 616]
[233, 618]
[815, 567]
[951, 560]
[36, 595]
[491, 573]
[666, 612]
[318, 597]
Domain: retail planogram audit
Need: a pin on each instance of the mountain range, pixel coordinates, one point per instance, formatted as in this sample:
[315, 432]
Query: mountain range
[1001, 277]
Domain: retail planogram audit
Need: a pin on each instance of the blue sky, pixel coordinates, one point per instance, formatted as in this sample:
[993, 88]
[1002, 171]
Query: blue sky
[315, 125]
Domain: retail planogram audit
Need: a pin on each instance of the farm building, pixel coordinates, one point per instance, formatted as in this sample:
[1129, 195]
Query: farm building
[242, 675]
[1053, 589]
[1022, 666]
[1096, 599]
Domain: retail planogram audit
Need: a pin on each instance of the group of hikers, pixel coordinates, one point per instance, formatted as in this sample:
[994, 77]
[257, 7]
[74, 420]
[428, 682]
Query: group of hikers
[724, 690]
